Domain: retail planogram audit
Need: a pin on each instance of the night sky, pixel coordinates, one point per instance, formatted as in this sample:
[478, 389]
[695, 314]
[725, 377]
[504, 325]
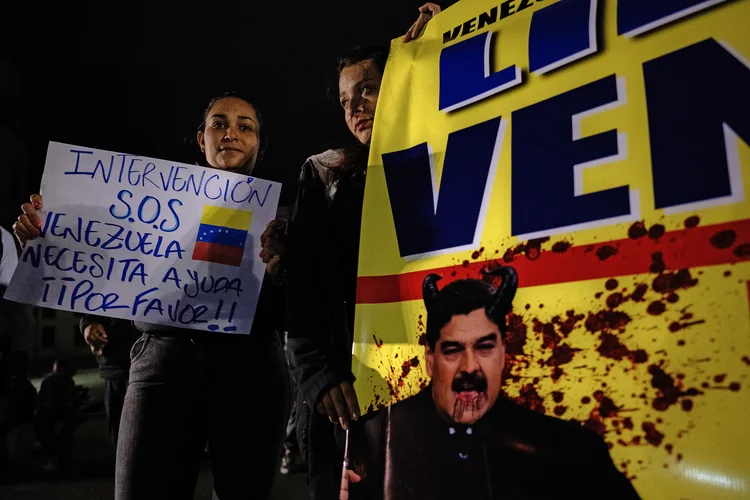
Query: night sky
[134, 76]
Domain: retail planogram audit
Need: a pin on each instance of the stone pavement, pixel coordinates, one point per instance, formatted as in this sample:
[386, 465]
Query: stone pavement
[93, 472]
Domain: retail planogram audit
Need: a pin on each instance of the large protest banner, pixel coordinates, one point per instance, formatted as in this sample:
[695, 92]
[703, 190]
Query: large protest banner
[140, 238]
[601, 149]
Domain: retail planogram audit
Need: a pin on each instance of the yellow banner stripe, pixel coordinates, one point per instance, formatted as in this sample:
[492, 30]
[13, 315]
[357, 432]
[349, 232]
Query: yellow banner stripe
[226, 217]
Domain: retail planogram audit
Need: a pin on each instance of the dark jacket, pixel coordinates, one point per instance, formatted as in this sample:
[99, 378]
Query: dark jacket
[511, 453]
[321, 277]
[57, 394]
[114, 363]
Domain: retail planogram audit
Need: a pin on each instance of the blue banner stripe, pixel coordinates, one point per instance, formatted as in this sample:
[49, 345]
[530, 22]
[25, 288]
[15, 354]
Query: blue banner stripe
[221, 235]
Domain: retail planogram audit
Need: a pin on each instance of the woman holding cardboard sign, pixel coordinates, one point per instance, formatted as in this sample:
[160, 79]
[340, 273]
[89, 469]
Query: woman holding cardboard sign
[188, 387]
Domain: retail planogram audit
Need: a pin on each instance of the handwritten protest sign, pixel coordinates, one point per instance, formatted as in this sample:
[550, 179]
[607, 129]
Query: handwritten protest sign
[140, 238]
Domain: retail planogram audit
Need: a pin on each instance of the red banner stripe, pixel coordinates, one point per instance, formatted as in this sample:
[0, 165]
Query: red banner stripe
[220, 254]
[700, 246]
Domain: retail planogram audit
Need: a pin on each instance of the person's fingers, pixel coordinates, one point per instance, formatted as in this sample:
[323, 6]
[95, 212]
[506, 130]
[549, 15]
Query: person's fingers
[21, 233]
[347, 476]
[273, 266]
[273, 230]
[100, 335]
[330, 409]
[36, 200]
[432, 8]
[350, 396]
[31, 231]
[29, 210]
[409, 33]
[320, 408]
[339, 401]
[353, 476]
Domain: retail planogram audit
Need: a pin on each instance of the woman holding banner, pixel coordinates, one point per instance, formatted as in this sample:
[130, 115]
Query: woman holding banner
[322, 269]
[188, 387]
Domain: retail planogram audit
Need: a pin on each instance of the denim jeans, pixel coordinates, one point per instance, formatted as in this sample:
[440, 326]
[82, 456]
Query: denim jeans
[190, 387]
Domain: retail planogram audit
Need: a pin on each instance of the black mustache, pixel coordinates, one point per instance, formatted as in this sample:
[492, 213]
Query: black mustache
[470, 382]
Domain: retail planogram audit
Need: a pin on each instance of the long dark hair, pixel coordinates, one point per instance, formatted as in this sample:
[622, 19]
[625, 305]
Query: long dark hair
[355, 153]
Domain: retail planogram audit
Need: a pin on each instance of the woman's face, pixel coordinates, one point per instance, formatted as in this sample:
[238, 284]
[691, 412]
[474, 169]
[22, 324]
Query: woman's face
[231, 136]
[359, 86]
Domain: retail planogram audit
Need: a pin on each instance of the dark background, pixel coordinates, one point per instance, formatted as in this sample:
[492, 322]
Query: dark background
[135, 76]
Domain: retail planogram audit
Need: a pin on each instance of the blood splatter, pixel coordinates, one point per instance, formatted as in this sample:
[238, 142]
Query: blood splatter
[585, 400]
[557, 396]
[454, 273]
[637, 230]
[611, 347]
[724, 239]
[605, 252]
[669, 282]
[656, 308]
[595, 425]
[639, 292]
[672, 298]
[687, 404]
[408, 365]
[692, 221]
[720, 378]
[607, 407]
[746, 360]
[478, 253]
[669, 448]
[653, 436]
[516, 335]
[734, 386]
[680, 343]
[561, 246]
[530, 398]
[742, 250]
[560, 410]
[668, 391]
[562, 354]
[606, 320]
[465, 263]
[611, 284]
[614, 300]
[657, 263]
[656, 231]
[676, 326]
[571, 321]
[378, 342]
[627, 423]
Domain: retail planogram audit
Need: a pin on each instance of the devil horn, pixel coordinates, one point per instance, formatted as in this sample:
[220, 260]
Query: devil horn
[430, 290]
[507, 289]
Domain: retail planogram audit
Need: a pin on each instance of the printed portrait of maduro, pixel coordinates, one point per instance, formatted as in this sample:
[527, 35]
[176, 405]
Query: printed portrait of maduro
[460, 438]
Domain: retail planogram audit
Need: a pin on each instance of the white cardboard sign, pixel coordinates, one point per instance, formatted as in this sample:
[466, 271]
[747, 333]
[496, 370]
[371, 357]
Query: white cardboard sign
[145, 239]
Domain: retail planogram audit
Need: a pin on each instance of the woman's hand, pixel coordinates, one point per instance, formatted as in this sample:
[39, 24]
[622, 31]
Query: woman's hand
[28, 224]
[426, 12]
[273, 243]
[96, 338]
[340, 404]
